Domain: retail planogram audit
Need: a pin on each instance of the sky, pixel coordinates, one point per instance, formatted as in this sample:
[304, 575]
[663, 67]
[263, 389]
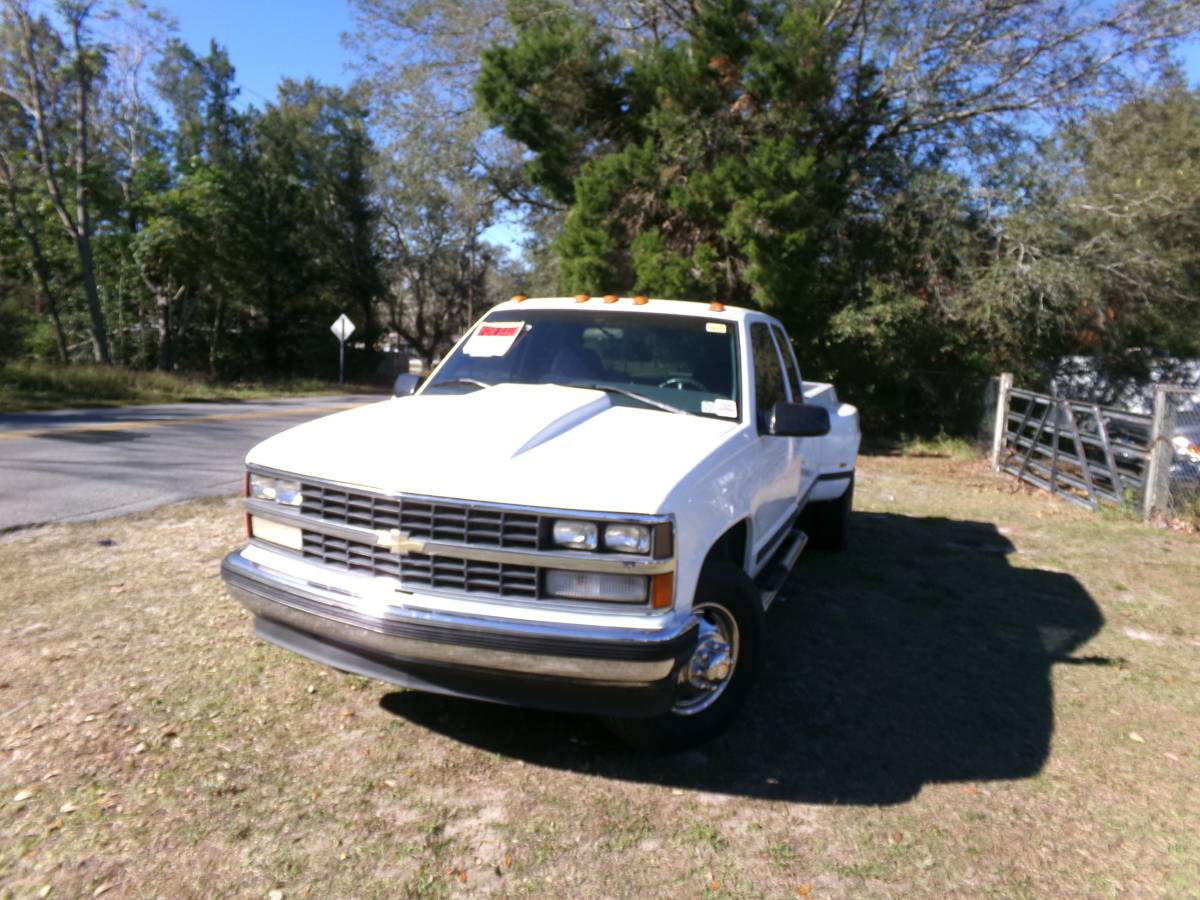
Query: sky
[269, 40]
[273, 39]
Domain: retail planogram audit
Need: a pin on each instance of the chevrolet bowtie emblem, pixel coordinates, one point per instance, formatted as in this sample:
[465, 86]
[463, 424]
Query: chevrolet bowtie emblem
[398, 542]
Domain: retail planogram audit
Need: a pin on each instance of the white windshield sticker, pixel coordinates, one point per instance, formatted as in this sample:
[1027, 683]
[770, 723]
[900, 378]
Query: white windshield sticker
[493, 339]
[719, 407]
[715, 327]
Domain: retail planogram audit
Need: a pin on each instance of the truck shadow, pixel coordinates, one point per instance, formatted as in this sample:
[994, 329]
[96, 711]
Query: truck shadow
[919, 656]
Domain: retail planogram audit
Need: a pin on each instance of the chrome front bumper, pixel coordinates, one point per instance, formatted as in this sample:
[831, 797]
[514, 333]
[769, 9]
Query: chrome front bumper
[333, 627]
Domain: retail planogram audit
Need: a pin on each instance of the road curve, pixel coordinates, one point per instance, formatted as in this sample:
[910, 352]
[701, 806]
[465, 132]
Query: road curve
[71, 465]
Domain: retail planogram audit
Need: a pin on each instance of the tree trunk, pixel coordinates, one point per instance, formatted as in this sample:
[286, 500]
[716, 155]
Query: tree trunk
[166, 348]
[83, 222]
[216, 334]
[79, 225]
[87, 271]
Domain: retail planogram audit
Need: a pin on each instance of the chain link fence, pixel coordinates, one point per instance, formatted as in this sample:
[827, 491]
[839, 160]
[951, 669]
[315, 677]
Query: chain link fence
[1174, 477]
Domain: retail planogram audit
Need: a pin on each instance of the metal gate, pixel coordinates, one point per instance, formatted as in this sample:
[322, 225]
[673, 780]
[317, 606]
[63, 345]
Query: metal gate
[1082, 452]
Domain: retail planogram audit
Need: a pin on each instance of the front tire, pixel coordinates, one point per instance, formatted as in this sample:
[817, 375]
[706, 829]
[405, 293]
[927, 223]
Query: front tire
[712, 685]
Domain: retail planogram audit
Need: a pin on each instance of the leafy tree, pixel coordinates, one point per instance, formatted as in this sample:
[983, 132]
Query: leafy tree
[826, 161]
[52, 79]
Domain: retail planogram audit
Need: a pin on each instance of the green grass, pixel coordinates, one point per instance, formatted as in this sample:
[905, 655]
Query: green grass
[941, 446]
[28, 386]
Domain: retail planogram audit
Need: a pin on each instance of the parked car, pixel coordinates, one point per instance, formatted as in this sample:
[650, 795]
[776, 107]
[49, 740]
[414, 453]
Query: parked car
[589, 505]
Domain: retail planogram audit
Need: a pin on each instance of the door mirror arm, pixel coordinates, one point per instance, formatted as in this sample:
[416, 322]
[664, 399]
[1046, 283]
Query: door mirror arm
[406, 385]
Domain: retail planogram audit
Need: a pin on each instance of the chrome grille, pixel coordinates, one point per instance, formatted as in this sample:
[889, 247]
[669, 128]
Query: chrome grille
[417, 570]
[437, 520]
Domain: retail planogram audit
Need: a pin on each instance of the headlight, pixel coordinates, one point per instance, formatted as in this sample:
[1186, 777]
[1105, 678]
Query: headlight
[1184, 447]
[281, 490]
[596, 586]
[576, 535]
[261, 487]
[627, 538]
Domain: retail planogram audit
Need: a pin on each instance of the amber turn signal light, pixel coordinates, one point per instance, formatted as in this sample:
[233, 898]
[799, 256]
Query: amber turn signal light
[662, 590]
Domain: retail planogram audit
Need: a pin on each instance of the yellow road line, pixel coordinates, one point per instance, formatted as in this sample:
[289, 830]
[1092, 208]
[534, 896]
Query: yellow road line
[155, 423]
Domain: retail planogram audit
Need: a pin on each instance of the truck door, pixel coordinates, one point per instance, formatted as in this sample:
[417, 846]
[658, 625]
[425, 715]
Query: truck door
[778, 468]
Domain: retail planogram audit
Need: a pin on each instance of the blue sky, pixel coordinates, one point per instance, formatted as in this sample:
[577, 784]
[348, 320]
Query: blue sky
[272, 39]
[269, 40]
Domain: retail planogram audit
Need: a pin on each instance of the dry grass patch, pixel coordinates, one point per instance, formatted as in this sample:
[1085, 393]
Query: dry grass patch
[992, 694]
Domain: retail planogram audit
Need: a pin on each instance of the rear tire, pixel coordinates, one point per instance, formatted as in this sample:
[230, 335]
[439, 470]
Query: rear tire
[730, 623]
[827, 523]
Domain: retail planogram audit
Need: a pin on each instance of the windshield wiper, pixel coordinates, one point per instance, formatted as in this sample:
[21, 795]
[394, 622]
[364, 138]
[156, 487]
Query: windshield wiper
[665, 407]
[474, 382]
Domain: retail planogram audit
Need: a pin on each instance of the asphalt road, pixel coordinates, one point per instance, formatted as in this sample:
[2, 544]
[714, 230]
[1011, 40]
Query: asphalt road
[70, 465]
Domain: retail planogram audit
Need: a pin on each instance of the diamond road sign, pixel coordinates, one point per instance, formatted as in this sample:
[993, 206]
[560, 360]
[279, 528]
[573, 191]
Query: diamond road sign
[342, 328]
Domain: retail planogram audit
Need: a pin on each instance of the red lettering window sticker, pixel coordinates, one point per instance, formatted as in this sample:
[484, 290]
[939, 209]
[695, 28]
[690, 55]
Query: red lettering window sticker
[493, 338]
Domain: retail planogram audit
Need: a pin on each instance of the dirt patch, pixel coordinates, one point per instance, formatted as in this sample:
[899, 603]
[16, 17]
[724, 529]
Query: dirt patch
[992, 693]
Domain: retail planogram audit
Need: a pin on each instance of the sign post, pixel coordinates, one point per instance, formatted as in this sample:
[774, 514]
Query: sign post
[342, 328]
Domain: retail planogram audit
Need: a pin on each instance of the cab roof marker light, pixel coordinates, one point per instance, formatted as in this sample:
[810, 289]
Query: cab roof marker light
[641, 300]
[582, 298]
[519, 298]
[717, 306]
[611, 298]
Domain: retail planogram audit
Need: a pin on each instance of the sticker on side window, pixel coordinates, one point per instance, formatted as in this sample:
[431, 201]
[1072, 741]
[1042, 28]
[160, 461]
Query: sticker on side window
[719, 407]
[493, 338]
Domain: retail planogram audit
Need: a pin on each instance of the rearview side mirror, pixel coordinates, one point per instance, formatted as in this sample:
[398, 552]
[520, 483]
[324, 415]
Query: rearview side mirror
[798, 420]
[406, 385]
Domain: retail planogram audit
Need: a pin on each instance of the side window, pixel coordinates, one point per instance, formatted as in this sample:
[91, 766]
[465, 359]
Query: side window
[789, 363]
[768, 373]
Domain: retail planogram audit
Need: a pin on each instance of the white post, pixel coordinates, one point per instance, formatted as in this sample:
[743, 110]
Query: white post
[1158, 473]
[1001, 424]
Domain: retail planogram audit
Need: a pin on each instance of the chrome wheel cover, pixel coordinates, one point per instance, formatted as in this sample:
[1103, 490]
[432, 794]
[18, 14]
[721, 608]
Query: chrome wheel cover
[706, 675]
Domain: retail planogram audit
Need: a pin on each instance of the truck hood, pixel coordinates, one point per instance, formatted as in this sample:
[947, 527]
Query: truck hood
[528, 445]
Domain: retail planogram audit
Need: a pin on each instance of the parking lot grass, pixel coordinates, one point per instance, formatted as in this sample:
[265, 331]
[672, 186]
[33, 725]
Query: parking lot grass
[991, 694]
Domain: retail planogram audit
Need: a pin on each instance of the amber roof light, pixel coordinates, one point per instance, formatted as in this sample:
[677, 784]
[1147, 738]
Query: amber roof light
[717, 306]
[611, 298]
[519, 298]
[582, 298]
[641, 300]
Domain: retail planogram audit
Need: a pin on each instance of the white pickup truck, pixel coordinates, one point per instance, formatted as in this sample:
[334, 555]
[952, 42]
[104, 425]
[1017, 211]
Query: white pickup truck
[587, 506]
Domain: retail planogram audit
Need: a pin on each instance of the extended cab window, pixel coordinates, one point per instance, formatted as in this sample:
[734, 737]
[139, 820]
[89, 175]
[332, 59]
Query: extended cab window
[789, 363]
[768, 373]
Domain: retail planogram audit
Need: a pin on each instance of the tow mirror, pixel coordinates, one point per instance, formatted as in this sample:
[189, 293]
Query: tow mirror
[406, 385]
[798, 420]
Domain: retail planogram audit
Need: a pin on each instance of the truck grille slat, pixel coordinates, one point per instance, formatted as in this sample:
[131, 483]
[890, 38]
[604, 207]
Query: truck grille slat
[431, 520]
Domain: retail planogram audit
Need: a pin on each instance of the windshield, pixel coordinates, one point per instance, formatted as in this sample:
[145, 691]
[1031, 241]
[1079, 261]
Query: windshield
[683, 362]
